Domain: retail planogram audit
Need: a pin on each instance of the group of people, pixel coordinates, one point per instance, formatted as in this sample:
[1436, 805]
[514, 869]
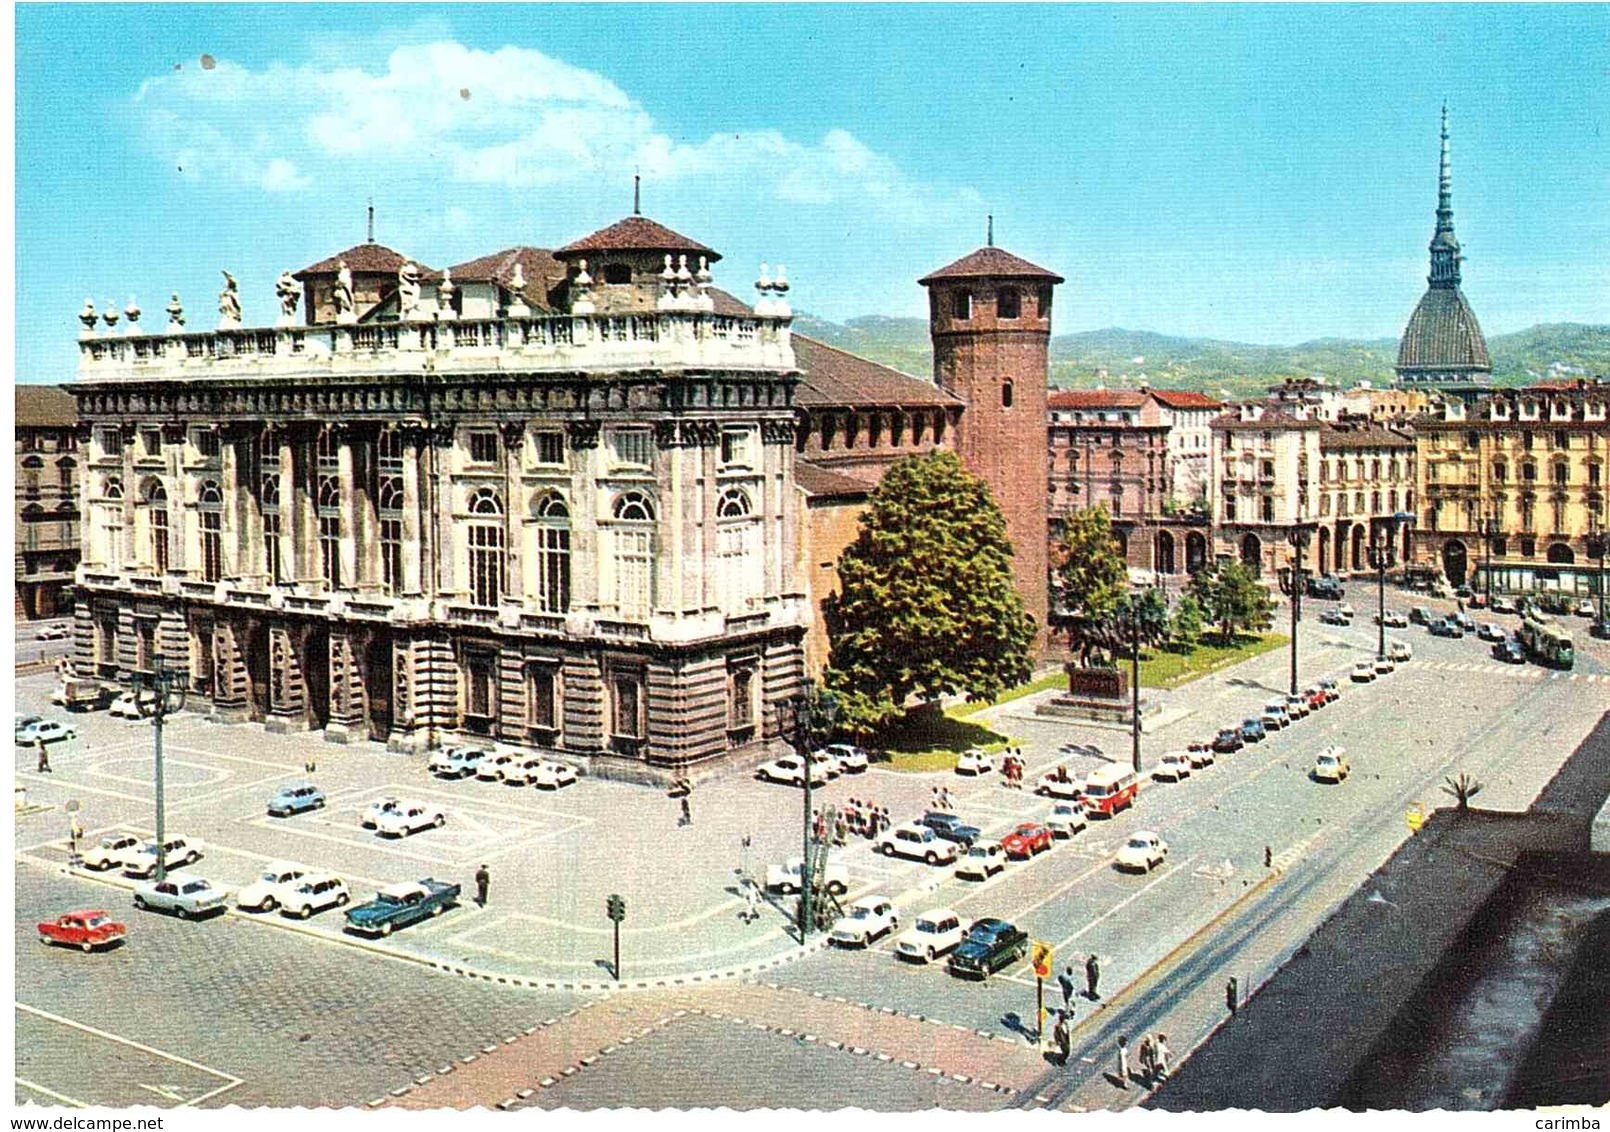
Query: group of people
[856, 818]
[941, 799]
[1153, 1055]
[1012, 767]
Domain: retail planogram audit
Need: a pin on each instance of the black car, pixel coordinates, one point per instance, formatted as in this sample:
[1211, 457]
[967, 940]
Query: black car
[989, 945]
[1600, 629]
[1228, 741]
[950, 827]
[1420, 615]
[1328, 588]
[1509, 652]
[1446, 628]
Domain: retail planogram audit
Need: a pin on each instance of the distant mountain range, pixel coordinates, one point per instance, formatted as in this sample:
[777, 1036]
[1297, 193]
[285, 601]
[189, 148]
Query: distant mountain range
[1116, 358]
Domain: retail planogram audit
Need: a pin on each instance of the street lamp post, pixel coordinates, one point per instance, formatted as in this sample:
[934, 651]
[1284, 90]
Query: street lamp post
[158, 694]
[1380, 556]
[1489, 531]
[1299, 542]
[1134, 682]
[1598, 544]
[805, 720]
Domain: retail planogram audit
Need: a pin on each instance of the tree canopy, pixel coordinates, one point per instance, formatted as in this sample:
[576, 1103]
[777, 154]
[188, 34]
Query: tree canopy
[1090, 580]
[926, 605]
[1232, 597]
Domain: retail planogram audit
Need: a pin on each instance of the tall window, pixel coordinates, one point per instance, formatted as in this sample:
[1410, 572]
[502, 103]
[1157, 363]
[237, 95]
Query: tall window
[543, 686]
[268, 501]
[740, 705]
[389, 509]
[962, 306]
[627, 704]
[736, 533]
[551, 449]
[487, 556]
[631, 447]
[634, 556]
[483, 447]
[553, 554]
[1009, 303]
[329, 508]
[735, 448]
[210, 503]
[156, 502]
[112, 494]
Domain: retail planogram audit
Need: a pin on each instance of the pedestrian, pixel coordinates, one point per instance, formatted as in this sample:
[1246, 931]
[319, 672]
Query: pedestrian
[74, 833]
[1092, 978]
[1232, 995]
[1123, 1062]
[310, 765]
[1062, 1038]
[840, 830]
[44, 758]
[1065, 980]
[1268, 857]
[1145, 1057]
[686, 817]
[1162, 1054]
[483, 882]
[751, 900]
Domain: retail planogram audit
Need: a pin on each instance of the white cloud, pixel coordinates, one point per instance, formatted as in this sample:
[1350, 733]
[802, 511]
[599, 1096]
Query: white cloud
[513, 118]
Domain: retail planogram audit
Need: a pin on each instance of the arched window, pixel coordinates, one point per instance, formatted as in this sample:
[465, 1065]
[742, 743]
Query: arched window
[634, 556]
[156, 503]
[268, 499]
[1562, 473]
[487, 552]
[112, 488]
[737, 536]
[1500, 471]
[329, 508]
[210, 504]
[553, 554]
[1006, 394]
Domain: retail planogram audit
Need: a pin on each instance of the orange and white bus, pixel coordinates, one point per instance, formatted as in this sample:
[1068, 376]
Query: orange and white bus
[1109, 789]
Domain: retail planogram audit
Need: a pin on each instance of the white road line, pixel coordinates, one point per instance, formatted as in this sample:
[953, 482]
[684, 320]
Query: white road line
[52, 1093]
[1124, 903]
[230, 1078]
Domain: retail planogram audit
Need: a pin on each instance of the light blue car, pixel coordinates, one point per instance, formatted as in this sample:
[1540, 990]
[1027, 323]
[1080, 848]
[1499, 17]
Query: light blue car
[295, 799]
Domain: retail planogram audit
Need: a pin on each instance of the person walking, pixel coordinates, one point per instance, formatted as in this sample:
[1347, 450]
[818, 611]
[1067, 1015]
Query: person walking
[751, 900]
[1147, 1065]
[686, 817]
[1092, 978]
[1065, 981]
[1232, 995]
[1063, 1039]
[1123, 1062]
[44, 758]
[483, 882]
[1162, 1053]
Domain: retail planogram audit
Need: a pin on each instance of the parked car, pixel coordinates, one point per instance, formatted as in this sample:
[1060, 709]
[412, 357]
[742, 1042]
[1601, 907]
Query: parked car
[1420, 615]
[296, 798]
[851, 759]
[1466, 623]
[53, 633]
[492, 767]
[379, 808]
[409, 818]
[1173, 766]
[989, 945]
[1487, 631]
[785, 877]
[1067, 819]
[1446, 627]
[1297, 707]
[982, 859]
[867, 919]
[519, 772]
[1229, 740]
[1345, 610]
[1385, 664]
[125, 707]
[1333, 692]
[1253, 731]
[1392, 619]
[1060, 783]
[315, 893]
[84, 930]
[398, 905]
[50, 730]
[790, 771]
[1331, 765]
[1316, 697]
[273, 884]
[1026, 840]
[457, 762]
[113, 849]
[1201, 755]
[1275, 716]
[1509, 652]
[1399, 651]
[1333, 617]
[917, 841]
[1363, 672]
[975, 761]
[183, 896]
[950, 827]
[936, 932]
[1502, 605]
[1584, 608]
[553, 774]
[1600, 630]
[77, 694]
[1143, 852]
[142, 862]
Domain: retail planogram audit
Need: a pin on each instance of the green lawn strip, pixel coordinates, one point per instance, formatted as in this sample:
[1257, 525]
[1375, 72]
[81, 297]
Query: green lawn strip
[1044, 683]
[928, 739]
[1163, 669]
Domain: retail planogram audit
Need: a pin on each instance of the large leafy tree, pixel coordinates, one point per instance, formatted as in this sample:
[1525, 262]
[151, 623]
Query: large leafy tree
[926, 606]
[1232, 597]
[1185, 627]
[1091, 580]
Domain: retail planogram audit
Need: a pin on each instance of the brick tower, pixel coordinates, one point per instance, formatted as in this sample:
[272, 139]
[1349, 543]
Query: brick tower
[990, 319]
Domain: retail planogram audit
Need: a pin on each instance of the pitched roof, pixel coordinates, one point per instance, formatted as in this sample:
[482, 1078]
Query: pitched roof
[1364, 436]
[1443, 336]
[831, 377]
[1185, 399]
[635, 234]
[542, 271]
[45, 406]
[1270, 419]
[1094, 399]
[990, 262]
[364, 258]
[821, 483]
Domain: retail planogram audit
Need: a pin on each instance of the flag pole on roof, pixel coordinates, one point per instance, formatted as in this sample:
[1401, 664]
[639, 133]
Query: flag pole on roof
[637, 194]
[371, 220]
[989, 231]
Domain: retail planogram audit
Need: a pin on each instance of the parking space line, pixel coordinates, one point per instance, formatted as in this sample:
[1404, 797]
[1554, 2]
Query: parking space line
[51, 1093]
[1124, 903]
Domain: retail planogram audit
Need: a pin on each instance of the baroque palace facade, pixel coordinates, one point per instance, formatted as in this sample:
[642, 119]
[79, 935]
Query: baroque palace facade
[577, 500]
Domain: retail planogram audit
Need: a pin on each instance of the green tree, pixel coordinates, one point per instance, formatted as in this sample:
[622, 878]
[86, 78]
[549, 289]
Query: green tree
[1185, 627]
[1090, 579]
[1232, 597]
[926, 605]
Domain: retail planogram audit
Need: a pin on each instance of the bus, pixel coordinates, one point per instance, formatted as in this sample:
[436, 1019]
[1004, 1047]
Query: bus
[1109, 789]
[1546, 642]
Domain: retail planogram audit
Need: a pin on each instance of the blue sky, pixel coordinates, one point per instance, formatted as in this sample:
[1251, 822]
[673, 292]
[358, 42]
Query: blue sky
[1264, 174]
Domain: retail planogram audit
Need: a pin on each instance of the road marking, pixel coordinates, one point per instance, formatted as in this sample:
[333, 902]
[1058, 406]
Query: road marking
[1122, 904]
[52, 1093]
[165, 1091]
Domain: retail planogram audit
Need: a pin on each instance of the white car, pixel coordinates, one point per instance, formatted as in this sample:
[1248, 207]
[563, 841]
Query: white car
[1143, 852]
[519, 772]
[1297, 707]
[269, 890]
[790, 771]
[935, 932]
[113, 849]
[918, 842]
[142, 861]
[851, 759]
[982, 859]
[1394, 619]
[975, 761]
[1583, 608]
[1060, 784]
[410, 817]
[1363, 672]
[183, 896]
[869, 918]
[1172, 767]
[1399, 651]
[314, 893]
[1344, 609]
[1385, 664]
[125, 707]
[552, 774]
[456, 762]
[53, 633]
[785, 877]
[492, 769]
[379, 808]
[50, 730]
[1331, 765]
[1067, 819]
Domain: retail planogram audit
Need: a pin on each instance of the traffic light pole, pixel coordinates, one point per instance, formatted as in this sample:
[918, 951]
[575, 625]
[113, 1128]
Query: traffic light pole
[617, 967]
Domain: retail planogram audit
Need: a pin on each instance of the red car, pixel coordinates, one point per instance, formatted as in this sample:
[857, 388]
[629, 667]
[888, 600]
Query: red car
[1316, 698]
[1026, 840]
[86, 930]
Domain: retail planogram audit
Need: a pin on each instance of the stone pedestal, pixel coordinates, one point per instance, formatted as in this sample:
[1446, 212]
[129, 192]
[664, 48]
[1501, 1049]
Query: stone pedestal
[1098, 695]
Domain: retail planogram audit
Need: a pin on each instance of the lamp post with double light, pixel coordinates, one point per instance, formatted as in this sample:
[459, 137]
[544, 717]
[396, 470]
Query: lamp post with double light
[1383, 555]
[804, 717]
[158, 694]
[1298, 536]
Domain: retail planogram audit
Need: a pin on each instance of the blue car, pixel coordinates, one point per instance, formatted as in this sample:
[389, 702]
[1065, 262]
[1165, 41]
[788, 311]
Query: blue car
[295, 799]
[1253, 731]
[951, 827]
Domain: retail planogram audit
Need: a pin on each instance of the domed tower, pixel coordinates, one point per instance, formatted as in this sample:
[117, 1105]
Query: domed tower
[989, 315]
[1442, 346]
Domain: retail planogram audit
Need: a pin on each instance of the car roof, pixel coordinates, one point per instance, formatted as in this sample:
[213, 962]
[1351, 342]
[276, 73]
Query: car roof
[87, 913]
[986, 845]
[284, 866]
[871, 901]
[405, 888]
[938, 914]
